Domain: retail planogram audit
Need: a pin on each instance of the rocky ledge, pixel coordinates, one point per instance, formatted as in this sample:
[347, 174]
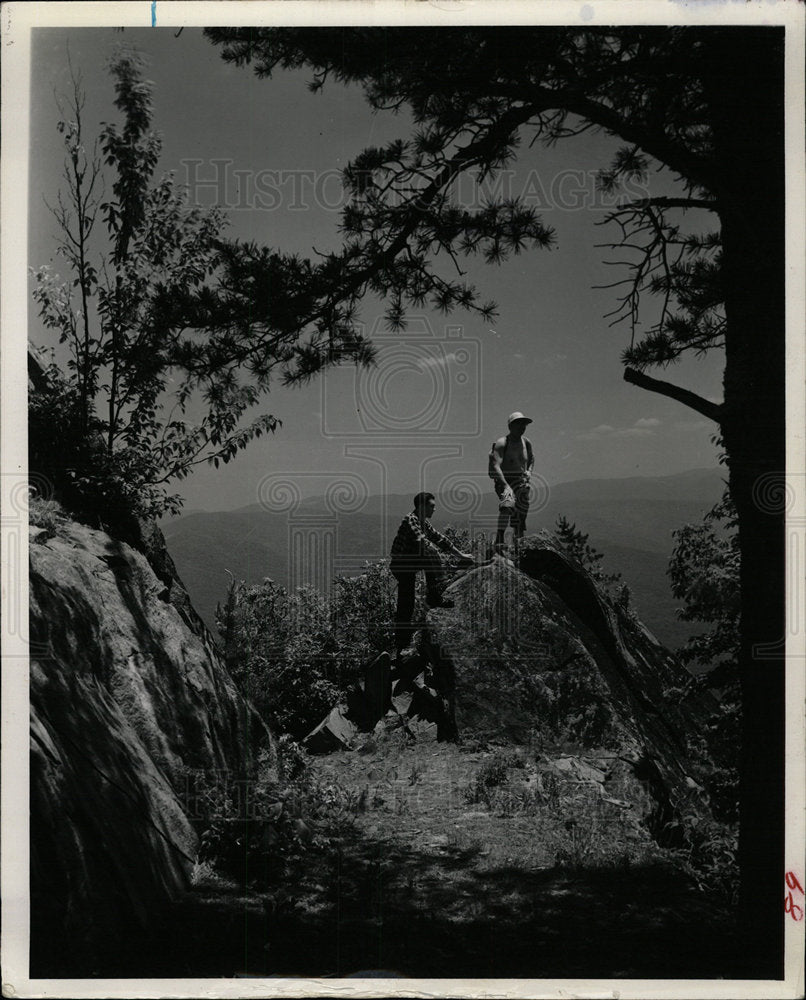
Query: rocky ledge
[537, 653]
[128, 701]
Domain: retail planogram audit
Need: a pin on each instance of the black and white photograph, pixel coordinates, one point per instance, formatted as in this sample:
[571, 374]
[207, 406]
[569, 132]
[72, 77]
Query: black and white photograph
[403, 499]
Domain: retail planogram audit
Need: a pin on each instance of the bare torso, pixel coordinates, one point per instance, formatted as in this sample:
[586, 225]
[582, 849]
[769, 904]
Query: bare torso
[513, 456]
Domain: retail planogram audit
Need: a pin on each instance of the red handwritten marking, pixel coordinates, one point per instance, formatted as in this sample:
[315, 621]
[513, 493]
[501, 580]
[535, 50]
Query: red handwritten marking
[790, 906]
[792, 882]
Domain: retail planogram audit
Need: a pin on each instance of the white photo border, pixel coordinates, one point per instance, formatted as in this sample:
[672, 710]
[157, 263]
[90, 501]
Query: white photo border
[18, 20]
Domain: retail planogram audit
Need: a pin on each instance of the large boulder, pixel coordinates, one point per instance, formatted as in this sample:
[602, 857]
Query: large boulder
[539, 654]
[129, 700]
[416, 696]
[542, 647]
[365, 704]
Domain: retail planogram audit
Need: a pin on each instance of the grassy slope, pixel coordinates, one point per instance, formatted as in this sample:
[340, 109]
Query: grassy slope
[423, 882]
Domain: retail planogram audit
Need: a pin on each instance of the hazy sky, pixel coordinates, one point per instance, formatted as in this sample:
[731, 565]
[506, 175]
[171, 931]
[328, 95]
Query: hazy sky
[270, 152]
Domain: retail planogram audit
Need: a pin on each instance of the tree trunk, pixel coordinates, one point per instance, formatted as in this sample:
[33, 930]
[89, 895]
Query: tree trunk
[746, 96]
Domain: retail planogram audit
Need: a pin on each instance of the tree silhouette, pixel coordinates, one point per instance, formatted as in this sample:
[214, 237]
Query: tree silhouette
[154, 309]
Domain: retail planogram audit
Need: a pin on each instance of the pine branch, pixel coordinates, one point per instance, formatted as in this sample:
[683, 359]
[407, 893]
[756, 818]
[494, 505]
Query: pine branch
[704, 406]
[682, 161]
[474, 154]
[666, 202]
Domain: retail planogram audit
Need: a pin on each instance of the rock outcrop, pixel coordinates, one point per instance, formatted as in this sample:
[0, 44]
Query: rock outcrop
[538, 653]
[364, 706]
[128, 699]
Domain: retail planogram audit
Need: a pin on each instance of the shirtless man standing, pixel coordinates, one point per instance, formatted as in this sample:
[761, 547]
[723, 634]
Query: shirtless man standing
[510, 468]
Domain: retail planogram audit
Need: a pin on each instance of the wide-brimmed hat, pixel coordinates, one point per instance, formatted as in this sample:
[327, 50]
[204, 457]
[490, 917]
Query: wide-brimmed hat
[518, 416]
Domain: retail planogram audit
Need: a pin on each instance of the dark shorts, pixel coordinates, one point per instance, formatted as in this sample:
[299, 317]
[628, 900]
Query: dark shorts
[517, 516]
[521, 491]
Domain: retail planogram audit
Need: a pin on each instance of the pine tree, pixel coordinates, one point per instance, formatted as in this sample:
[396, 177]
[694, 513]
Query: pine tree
[705, 103]
[577, 545]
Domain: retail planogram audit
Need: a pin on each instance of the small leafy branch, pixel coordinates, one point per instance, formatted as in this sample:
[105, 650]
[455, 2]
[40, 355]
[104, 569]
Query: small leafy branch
[577, 546]
[704, 573]
[161, 316]
[681, 268]
[124, 250]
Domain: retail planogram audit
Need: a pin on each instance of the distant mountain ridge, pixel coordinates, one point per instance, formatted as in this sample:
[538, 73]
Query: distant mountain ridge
[630, 520]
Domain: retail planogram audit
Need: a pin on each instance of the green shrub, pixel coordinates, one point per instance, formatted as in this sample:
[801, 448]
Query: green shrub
[491, 774]
[295, 654]
[710, 857]
[293, 764]
[593, 836]
[45, 514]
[66, 448]
[281, 652]
[704, 573]
[254, 829]
[362, 610]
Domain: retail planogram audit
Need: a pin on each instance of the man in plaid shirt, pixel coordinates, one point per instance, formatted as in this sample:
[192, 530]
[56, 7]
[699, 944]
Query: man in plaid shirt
[416, 547]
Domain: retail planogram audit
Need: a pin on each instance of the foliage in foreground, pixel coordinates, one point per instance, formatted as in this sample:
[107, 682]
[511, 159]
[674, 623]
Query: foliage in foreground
[294, 653]
[290, 819]
[704, 571]
[255, 829]
[578, 827]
